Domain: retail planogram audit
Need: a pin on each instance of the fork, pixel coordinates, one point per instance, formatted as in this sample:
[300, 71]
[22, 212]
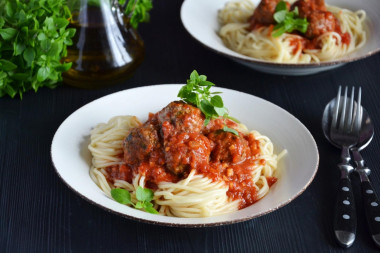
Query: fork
[344, 132]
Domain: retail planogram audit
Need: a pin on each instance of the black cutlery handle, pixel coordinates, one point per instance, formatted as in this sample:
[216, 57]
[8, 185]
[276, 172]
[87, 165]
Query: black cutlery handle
[345, 214]
[372, 210]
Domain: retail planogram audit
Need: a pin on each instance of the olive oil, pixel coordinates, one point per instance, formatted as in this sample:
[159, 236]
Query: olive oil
[105, 50]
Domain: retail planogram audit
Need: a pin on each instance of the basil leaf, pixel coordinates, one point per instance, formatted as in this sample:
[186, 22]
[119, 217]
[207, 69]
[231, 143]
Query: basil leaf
[144, 194]
[7, 65]
[41, 36]
[233, 119]
[60, 22]
[279, 32]
[64, 67]
[207, 108]
[280, 16]
[227, 129]
[8, 33]
[150, 209]
[194, 75]
[43, 73]
[3, 75]
[139, 205]
[197, 92]
[281, 6]
[45, 45]
[10, 91]
[121, 195]
[217, 101]
[8, 9]
[220, 111]
[18, 48]
[288, 21]
[206, 83]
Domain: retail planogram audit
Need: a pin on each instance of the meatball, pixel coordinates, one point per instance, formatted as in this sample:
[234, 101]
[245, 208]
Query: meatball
[306, 7]
[263, 14]
[320, 22]
[187, 151]
[228, 147]
[178, 117]
[140, 142]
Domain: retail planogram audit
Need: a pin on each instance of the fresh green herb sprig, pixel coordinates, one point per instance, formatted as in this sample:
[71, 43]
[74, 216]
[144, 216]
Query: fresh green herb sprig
[137, 11]
[143, 195]
[197, 92]
[288, 21]
[33, 39]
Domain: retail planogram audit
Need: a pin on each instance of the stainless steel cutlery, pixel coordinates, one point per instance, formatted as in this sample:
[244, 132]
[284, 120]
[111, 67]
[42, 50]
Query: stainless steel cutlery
[347, 125]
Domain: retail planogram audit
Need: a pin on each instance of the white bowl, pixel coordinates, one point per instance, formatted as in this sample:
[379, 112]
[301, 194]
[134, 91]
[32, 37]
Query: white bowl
[200, 19]
[72, 158]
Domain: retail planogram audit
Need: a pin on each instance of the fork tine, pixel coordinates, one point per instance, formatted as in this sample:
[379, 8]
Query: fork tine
[343, 114]
[359, 112]
[336, 109]
[349, 122]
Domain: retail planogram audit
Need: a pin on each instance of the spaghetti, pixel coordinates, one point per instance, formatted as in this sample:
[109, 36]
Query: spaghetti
[221, 184]
[240, 34]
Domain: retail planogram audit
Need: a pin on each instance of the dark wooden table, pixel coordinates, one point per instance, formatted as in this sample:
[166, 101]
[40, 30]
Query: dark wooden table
[38, 213]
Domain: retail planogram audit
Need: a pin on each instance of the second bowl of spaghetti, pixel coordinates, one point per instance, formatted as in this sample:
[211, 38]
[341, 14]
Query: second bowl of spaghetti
[286, 37]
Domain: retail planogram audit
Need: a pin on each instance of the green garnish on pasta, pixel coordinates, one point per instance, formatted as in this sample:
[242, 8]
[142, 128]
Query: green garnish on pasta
[197, 92]
[288, 21]
[143, 195]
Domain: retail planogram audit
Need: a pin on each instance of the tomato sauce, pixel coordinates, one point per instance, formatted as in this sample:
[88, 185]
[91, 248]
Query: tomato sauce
[320, 21]
[174, 151]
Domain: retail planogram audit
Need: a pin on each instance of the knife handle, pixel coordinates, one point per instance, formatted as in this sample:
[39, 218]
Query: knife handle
[345, 214]
[370, 199]
[372, 210]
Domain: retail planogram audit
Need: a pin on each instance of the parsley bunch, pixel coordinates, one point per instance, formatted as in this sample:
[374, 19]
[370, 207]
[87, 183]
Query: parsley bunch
[33, 39]
[197, 92]
[288, 21]
[143, 195]
[137, 11]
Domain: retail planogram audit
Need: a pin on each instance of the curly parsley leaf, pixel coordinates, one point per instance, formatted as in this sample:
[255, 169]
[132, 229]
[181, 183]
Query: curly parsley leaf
[197, 92]
[288, 21]
[33, 39]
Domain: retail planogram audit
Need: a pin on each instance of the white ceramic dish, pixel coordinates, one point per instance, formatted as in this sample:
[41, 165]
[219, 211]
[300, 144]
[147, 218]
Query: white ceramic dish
[71, 157]
[199, 18]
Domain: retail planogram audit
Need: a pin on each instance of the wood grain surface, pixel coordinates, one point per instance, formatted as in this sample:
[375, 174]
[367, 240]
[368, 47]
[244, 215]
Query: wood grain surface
[38, 213]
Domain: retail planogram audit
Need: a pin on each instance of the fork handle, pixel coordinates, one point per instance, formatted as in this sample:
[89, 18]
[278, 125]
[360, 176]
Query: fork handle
[371, 206]
[345, 213]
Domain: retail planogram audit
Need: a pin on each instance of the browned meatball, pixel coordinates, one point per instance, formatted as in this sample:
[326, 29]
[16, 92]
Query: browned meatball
[178, 117]
[228, 147]
[140, 143]
[320, 22]
[263, 14]
[305, 7]
[187, 151]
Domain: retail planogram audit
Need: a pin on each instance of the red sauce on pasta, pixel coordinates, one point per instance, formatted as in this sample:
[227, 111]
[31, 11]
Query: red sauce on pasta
[174, 141]
[320, 21]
